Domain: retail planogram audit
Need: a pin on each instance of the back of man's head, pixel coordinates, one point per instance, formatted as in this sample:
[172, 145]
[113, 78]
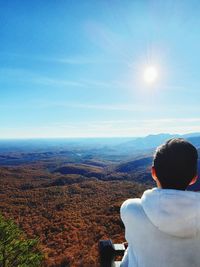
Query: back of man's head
[175, 163]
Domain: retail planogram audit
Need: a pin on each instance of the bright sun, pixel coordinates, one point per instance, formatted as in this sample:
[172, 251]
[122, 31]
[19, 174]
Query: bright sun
[150, 74]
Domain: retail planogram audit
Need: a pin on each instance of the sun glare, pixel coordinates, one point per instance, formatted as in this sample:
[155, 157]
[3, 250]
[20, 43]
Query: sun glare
[150, 74]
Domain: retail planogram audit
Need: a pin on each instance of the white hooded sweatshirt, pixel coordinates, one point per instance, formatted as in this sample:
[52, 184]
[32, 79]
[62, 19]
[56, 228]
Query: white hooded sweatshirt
[162, 229]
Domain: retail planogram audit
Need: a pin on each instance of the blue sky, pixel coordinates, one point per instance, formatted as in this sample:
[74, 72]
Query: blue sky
[75, 68]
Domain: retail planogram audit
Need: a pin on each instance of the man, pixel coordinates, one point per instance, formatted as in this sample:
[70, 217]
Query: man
[163, 227]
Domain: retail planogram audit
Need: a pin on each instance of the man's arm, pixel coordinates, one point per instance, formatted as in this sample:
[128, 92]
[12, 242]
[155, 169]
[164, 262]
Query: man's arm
[127, 213]
[124, 262]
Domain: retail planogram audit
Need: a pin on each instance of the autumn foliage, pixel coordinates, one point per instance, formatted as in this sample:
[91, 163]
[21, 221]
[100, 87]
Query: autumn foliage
[69, 218]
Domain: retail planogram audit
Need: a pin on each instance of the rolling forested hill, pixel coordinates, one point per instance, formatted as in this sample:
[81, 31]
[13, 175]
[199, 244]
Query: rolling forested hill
[70, 196]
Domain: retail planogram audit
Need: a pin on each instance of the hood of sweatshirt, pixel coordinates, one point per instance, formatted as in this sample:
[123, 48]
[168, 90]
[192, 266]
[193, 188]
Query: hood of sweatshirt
[174, 212]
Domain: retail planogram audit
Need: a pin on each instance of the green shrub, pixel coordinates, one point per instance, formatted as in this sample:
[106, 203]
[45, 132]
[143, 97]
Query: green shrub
[15, 249]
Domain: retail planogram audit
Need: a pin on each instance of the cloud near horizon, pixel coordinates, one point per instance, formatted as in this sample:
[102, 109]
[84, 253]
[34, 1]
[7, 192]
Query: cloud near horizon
[115, 128]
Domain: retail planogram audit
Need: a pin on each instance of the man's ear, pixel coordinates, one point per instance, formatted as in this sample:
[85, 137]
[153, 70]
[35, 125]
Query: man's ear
[193, 180]
[153, 173]
[154, 176]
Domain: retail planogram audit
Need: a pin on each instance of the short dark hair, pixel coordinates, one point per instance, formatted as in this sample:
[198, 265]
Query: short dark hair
[175, 163]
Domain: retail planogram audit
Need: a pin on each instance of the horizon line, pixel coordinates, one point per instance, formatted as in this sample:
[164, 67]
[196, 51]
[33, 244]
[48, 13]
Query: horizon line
[92, 137]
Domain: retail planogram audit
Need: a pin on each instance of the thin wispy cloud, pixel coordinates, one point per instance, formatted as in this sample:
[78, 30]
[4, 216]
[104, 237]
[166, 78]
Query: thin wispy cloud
[60, 59]
[110, 128]
[139, 107]
[22, 75]
[108, 107]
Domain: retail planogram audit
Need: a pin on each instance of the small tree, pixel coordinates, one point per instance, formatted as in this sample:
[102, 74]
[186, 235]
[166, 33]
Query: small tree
[15, 249]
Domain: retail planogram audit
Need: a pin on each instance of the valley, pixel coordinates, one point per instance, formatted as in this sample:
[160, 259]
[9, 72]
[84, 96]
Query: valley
[68, 195]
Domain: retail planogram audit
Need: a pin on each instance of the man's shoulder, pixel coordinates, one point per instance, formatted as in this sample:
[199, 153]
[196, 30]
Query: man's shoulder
[130, 207]
[131, 203]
